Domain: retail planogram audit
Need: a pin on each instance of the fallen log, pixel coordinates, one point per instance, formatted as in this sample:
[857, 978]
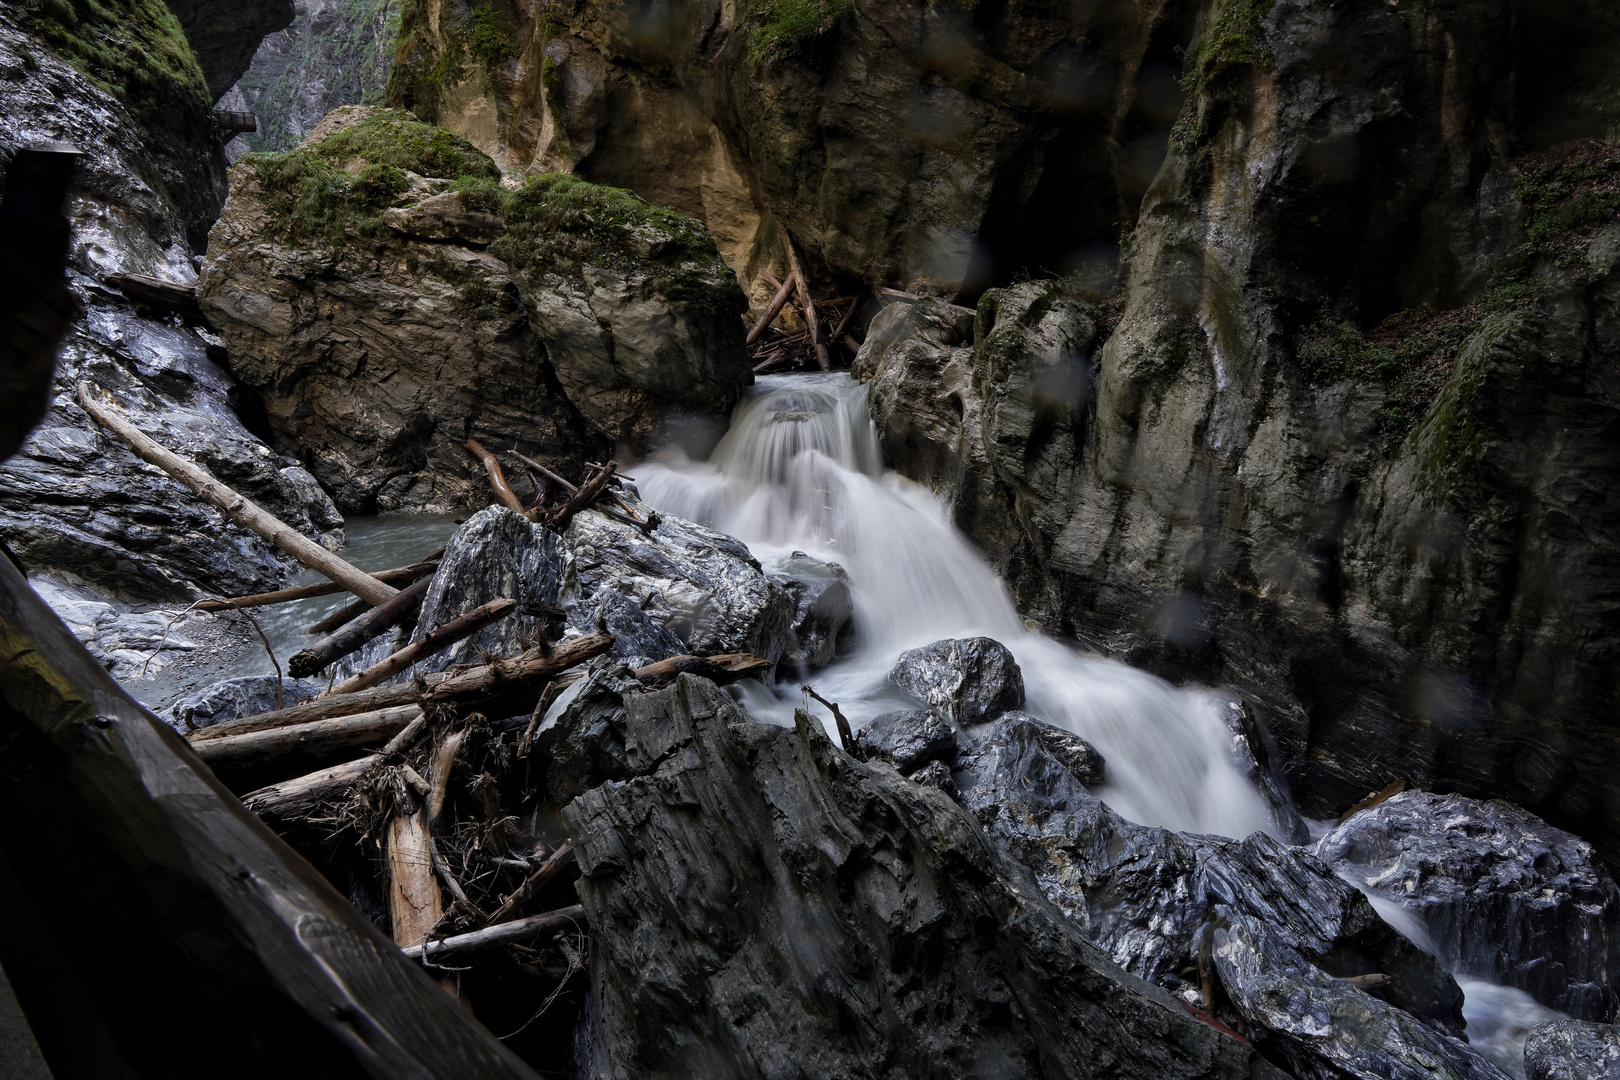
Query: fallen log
[722, 669]
[397, 577]
[515, 932]
[234, 506]
[384, 616]
[629, 515]
[843, 323]
[343, 616]
[436, 641]
[582, 498]
[811, 319]
[326, 707]
[258, 747]
[535, 881]
[157, 294]
[846, 736]
[300, 796]
[497, 478]
[772, 309]
[506, 675]
[1374, 798]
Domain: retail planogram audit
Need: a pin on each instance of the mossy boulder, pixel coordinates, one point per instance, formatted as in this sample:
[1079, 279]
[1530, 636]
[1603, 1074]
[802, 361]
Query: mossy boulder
[388, 297]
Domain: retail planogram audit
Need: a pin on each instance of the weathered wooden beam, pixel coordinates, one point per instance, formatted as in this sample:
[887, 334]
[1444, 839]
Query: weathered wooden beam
[234, 506]
[258, 747]
[722, 669]
[516, 932]
[397, 577]
[325, 707]
[506, 675]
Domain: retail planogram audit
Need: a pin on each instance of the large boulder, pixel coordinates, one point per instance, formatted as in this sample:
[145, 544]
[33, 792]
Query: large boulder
[971, 679]
[377, 353]
[641, 319]
[1504, 896]
[702, 586]
[1573, 1050]
[908, 740]
[821, 917]
[823, 607]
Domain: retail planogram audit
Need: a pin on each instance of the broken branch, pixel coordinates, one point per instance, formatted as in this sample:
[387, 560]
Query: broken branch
[436, 641]
[397, 577]
[772, 309]
[380, 618]
[234, 506]
[262, 746]
[497, 478]
[512, 933]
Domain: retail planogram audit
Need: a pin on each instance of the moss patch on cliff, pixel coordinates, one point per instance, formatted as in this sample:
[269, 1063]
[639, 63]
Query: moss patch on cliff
[782, 27]
[558, 215]
[315, 191]
[483, 34]
[133, 49]
[1566, 194]
[1233, 39]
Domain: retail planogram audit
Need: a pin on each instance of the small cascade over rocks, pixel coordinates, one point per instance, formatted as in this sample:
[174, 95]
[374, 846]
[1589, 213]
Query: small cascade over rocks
[800, 470]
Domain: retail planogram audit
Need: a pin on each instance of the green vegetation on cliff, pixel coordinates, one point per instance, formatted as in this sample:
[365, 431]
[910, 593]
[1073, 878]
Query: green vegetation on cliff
[133, 49]
[477, 33]
[311, 192]
[1234, 39]
[783, 26]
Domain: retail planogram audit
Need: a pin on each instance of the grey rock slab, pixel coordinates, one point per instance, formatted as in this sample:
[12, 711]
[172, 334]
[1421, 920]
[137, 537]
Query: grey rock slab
[1327, 1029]
[816, 916]
[1504, 896]
[908, 740]
[1083, 761]
[703, 586]
[971, 679]
[1573, 1050]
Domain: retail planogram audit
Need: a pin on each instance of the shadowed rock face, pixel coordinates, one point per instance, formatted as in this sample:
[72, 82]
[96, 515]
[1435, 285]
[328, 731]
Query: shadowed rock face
[1573, 1050]
[817, 916]
[225, 34]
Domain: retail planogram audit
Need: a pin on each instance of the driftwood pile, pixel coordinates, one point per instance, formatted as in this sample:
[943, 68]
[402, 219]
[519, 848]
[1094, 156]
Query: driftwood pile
[419, 799]
[828, 325]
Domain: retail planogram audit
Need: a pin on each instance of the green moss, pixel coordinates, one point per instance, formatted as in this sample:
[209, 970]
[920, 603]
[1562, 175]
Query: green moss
[490, 39]
[560, 215]
[1566, 195]
[308, 192]
[1233, 40]
[782, 27]
[133, 49]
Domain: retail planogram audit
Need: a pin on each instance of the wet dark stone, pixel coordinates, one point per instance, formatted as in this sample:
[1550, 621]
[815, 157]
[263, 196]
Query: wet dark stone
[972, 679]
[1573, 1050]
[908, 740]
[936, 774]
[1084, 761]
[1506, 897]
[234, 698]
[816, 916]
[822, 607]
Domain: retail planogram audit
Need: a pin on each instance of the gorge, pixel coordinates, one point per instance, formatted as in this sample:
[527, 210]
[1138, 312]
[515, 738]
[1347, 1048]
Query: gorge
[1209, 549]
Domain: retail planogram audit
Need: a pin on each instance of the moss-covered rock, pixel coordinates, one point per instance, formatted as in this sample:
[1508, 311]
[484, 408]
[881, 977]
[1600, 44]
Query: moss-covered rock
[132, 49]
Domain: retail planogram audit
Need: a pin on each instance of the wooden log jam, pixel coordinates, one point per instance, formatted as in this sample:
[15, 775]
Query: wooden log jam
[536, 881]
[326, 707]
[504, 675]
[772, 309]
[722, 669]
[497, 478]
[812, 320]
[234, 506]
[300, 796]
[384, 616]
[343, 616]
[258, 747]
[582, 498]
[518, 931]
[435, 641]
[628, 515]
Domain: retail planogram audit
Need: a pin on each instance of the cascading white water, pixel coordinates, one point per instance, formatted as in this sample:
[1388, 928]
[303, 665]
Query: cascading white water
[801, 470]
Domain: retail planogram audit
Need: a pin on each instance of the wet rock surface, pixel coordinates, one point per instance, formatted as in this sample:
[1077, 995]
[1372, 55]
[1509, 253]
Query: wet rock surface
[1148, 897]
[1573, 1050]
[75, 502]
[1083, 761]
[823, 609]
[908, 740]
[881, 935]
[971, 679]
[239, 697]
[1504, 896]
[702, 586]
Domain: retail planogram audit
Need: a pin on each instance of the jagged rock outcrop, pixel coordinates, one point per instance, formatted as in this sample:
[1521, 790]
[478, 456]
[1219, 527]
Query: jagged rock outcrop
[74, 501]
[1504, 896]
[225, 34]
[384, 318]
[1285, 932]
[1573, 1050]
[242, 696]
[818, 916]
[908, 740]
[334, 53]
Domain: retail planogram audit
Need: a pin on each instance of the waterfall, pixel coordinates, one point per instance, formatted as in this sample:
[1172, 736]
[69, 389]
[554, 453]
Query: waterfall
[800, 470]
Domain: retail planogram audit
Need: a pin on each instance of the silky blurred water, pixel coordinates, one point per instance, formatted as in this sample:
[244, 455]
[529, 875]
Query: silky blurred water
[800, 470]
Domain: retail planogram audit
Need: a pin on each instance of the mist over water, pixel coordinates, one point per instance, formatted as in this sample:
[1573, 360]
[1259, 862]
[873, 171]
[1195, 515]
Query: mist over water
[800, 470]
